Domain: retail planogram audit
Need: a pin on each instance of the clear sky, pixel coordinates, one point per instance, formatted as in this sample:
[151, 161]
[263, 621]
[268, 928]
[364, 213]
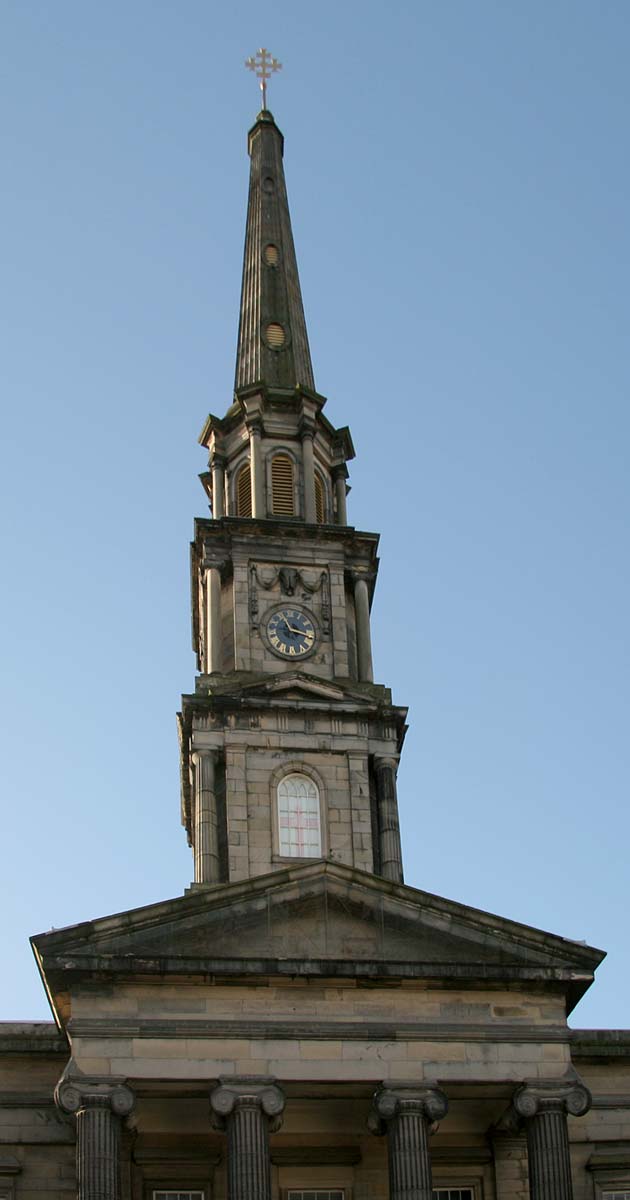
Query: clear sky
[459, 184]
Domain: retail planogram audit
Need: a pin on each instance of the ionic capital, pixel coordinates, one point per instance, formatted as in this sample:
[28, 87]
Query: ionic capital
[429, 1103]
[383, 762]
[76, 1093]
[215, 562]
[339, 471]
[533, 1099]
[254, 424]
[205, 754]
[242, 1091]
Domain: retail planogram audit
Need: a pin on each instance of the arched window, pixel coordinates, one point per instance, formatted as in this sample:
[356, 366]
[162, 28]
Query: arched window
[282, 499]
[320, 500]
[299, 825]
[244, 492]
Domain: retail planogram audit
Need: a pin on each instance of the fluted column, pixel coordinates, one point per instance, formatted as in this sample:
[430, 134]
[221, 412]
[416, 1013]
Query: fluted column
[388, 826]
[256, 462]
[340, 474]
[544, 1109]
[206, 843]
[308, 467]
[408, 1115]
[99, 1109]
[248, 1109]
[364, 641]
[218, 485]
[214, 638]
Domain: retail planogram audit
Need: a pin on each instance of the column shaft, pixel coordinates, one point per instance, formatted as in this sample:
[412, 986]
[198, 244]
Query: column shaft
[388, 825]
[206, 846]
[549, 1158]
[340, 493]
[249, 1174]
[214, 639]
[218, 489]
[258, 483]
[409, 1161]
[308, 466]
[544, 1107]
[98, 1152]
[364, 642]
[248, 1108]
[408, 1115]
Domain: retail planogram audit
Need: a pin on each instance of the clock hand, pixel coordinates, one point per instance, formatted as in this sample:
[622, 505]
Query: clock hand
[305, 633]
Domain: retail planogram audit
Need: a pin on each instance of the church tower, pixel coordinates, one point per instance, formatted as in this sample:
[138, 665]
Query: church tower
[289, 749]
[301, 1024]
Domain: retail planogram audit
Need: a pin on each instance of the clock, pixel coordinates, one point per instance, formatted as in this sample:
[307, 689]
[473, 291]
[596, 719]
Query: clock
[290, 632]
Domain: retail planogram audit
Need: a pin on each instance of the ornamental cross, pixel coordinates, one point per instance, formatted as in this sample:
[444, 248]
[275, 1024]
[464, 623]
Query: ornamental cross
[263, 64]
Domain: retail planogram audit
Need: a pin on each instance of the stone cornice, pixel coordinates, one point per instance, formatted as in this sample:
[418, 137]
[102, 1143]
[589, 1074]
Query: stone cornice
[600, 1043]
[261, 529]
[32, 1037]
[367, 1030]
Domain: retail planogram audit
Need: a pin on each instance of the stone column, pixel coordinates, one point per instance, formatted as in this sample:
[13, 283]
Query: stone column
[248, 1109]
[388, 827]
[408, 1115]
[364, 641]
[544, 1108]
[206, 843]
[98, 1108]
[308, 467]
[256, 465]
[340, 474]
[218, 486]
[214, 639]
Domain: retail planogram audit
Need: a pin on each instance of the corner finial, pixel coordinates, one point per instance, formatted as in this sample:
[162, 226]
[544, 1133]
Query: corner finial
[263, 64]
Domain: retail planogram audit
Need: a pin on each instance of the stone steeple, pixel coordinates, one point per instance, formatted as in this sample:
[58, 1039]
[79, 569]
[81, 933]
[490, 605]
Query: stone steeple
[289, 749]
[272, 338]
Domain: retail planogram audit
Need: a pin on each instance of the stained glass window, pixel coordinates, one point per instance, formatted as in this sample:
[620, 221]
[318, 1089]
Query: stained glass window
[298, 817]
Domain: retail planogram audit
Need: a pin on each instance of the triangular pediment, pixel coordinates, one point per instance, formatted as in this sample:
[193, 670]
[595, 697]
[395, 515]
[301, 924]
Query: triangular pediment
[297, 686]
[318, 919]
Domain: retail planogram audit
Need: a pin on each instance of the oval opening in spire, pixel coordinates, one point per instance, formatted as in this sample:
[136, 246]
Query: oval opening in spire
[276, 336]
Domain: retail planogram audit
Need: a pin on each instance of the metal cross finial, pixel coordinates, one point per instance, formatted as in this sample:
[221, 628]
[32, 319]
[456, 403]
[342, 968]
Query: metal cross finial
[263, 64]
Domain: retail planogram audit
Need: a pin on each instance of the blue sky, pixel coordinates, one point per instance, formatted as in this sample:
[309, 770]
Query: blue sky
[458, 178]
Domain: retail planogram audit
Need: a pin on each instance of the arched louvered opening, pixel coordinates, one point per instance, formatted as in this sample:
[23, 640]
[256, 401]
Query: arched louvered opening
[320, 500]
[244, 492]
[282, 497]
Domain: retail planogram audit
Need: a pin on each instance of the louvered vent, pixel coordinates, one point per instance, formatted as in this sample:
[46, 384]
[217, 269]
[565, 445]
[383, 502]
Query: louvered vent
[320, 506]
[276, 337]
[244, 492]
[282, 503]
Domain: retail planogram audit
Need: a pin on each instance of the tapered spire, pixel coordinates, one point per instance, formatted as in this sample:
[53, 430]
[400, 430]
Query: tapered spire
[272, 340]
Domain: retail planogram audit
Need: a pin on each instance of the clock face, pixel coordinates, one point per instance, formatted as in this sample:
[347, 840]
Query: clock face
[291, 632]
